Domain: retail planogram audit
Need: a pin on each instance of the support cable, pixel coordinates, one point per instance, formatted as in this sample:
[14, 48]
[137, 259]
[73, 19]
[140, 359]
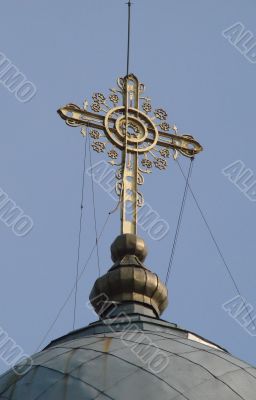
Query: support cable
[179, 222]
[228, 270]
[94, 211]
[74, 286]
[80, 229]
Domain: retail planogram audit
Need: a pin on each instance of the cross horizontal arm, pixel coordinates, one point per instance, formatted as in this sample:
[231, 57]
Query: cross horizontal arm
[185, 143]
[75, 116]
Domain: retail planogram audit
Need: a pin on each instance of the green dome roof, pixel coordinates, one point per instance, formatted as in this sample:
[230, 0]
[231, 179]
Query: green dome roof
[135, 357]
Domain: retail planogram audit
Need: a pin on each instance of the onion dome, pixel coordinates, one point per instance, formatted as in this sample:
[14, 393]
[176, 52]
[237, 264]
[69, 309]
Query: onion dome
[129, 283]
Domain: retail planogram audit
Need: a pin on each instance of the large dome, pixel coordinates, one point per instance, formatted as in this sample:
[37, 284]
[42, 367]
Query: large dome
[130, 353]
[133, 357]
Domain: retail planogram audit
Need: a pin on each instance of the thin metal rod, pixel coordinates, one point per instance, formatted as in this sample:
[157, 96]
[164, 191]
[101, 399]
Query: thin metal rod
[128, 37]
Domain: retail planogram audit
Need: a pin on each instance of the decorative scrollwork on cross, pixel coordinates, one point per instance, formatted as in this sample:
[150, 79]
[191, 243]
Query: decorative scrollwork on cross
[137, 138]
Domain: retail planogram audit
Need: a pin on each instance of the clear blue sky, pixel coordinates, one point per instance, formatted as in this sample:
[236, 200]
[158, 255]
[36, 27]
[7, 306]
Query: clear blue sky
[69, 50]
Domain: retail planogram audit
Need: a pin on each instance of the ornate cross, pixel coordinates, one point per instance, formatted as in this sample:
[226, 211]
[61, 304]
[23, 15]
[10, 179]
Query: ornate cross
[140, 136]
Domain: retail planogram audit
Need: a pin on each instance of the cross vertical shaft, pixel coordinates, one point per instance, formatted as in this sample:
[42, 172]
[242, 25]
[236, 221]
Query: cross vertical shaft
[129, 195]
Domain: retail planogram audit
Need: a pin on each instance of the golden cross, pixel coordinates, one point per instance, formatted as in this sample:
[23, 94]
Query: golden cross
[141, 136]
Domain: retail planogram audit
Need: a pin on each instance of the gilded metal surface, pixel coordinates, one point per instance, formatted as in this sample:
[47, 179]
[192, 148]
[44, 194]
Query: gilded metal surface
[128, 280]
[129, 284]
[128, 244]
[141, 136]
